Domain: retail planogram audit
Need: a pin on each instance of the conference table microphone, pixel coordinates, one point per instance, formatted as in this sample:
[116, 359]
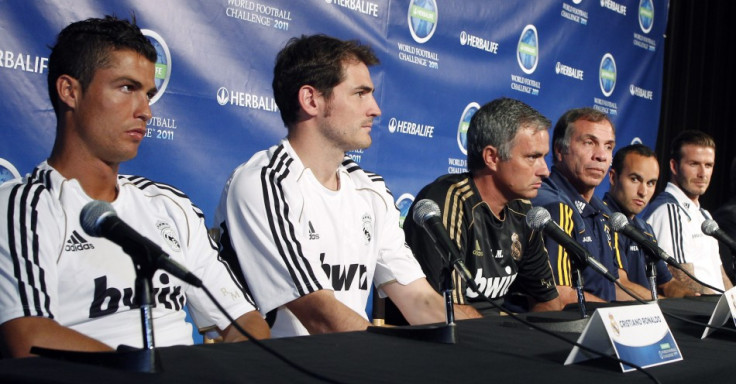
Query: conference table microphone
[710, 227]
[99, 219]
[539, 219]
[620, 223]
[427, 215]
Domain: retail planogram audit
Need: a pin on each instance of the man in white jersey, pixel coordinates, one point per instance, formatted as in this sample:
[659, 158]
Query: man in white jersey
[63, 289]
[311, 229]
[676, 215]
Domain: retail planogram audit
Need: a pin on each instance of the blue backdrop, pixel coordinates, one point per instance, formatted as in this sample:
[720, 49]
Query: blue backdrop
[441, 60]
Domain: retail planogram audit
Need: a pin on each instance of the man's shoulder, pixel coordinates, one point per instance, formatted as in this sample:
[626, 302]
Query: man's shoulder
[445, 184]
[362, 177]
[550, 194]
[658, 203]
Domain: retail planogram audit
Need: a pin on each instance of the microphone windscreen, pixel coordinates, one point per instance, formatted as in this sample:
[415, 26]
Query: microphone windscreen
[618, 221]
[92, 214]
[424, 209]
[537, 218]
[709, 227]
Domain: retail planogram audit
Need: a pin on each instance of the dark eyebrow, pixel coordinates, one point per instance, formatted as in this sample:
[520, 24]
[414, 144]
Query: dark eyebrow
[364, 88]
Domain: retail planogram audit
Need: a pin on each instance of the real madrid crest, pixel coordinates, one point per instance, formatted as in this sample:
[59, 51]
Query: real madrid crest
[367, 228]
[515, 247]
[169, 235]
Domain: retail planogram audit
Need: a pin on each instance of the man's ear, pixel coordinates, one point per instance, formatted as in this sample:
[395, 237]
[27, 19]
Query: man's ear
[673, 167]
[310, 99]
[69, 90]
[491, 157]
[612, 177]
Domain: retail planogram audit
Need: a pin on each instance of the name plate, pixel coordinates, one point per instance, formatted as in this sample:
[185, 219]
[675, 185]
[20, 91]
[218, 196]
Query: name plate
[724, 310]
[638, 334]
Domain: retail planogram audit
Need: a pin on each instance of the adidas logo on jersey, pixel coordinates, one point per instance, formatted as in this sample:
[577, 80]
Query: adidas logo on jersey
[77, 243]
[313, 235]
[580, 206]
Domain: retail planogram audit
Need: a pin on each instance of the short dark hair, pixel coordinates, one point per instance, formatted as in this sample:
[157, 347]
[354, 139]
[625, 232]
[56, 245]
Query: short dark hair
[496, 124]
[83, 47]
[640, 149]
[690, 137]
[563, 129]
[315, 60]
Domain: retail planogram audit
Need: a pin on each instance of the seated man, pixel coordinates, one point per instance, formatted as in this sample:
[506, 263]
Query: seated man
[64, 290]
[633, 176]
[676, 215]
[311, 229]
[483, 213]
[583, 141]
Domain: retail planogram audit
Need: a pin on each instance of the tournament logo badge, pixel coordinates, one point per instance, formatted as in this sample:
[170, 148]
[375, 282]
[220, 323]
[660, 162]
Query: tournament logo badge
[169, 235]
[422, 19]
[527, 51]
[646, 15]
[607, 74]
[163, 63]
[7, 171]
[515, 247]
[462, 127]
[403, 203]
[614, 324]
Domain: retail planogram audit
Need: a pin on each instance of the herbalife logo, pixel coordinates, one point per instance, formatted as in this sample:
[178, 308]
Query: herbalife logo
[422, 19]
[244, 99]
[607, 74]
[313, 235]
[77, 243]
[163, 62]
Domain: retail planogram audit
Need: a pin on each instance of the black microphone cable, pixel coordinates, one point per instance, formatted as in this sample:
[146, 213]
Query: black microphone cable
[263, 346]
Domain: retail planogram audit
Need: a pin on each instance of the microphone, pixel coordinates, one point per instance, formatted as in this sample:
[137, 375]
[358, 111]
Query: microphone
[711, 228]
[99, 219]
[539, 219]
[621, 224]
[427, 214]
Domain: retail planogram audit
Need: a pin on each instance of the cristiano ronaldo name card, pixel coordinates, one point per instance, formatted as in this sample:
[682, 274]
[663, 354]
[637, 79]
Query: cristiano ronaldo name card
[725, 309]
[637, 334]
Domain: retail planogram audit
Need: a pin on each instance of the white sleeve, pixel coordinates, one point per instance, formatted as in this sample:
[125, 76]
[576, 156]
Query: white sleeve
[31, 240]
[396, 262]
[259, 214]
[216, 276]
[669, 230]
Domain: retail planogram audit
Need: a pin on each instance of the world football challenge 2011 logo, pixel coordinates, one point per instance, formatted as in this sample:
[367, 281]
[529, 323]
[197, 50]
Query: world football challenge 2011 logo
[422, 19]
[646, 15]
[527, 51]
[163, 62]
[403, 204]
[462, 127]
[607, 74]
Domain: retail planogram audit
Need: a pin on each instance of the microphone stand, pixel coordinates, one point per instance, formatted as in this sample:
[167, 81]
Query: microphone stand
[577, 283]
[652, 274]
[126, 357]
[439, 333]
[447, 288]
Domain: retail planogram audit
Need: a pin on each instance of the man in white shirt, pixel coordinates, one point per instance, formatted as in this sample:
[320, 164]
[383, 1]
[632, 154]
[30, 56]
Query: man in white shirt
[63, 289]
[310, 229]
[676, 215]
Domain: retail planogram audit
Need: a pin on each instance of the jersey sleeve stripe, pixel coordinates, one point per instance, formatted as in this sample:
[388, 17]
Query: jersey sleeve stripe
[277, 212]
[676, 232]
[24, 255]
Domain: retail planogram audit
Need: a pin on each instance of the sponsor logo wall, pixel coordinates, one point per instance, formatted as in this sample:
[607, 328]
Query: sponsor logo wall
[441, 61]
